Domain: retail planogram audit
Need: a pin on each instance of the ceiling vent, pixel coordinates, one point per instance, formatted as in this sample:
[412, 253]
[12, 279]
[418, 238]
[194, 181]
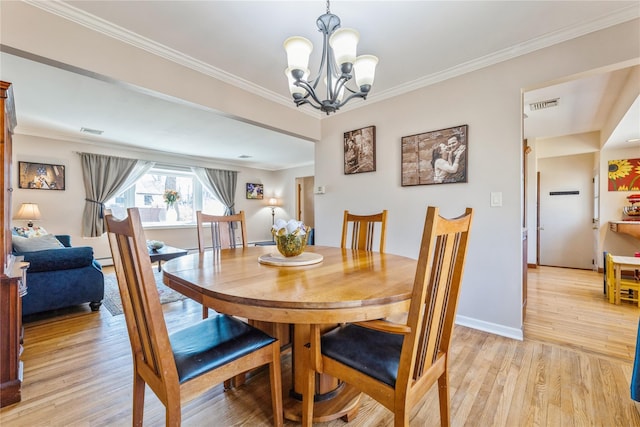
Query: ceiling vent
[544, 104]
[91, 131]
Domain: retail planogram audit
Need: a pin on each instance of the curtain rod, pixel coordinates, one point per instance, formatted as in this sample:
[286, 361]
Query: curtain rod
[157, 164]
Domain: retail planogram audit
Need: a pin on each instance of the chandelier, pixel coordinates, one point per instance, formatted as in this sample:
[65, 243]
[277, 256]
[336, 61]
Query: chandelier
[339, 62]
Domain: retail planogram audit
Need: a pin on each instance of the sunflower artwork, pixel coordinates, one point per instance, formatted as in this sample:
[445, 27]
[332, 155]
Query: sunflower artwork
[624, 175]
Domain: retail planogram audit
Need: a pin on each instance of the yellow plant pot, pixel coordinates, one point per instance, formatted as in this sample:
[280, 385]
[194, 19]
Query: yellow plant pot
[291, 245]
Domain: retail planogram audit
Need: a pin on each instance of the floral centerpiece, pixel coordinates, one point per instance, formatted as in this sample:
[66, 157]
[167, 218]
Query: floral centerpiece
[171, 197]
[290, 236]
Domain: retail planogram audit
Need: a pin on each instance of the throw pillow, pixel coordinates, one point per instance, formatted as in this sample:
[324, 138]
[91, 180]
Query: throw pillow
[30, 244]
[34, 231]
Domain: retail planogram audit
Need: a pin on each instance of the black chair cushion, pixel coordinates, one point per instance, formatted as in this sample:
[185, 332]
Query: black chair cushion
[371, 352]
[214, 342]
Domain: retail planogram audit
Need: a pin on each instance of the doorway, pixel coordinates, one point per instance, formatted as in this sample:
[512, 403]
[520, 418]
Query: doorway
[304, 200]
[566, 237]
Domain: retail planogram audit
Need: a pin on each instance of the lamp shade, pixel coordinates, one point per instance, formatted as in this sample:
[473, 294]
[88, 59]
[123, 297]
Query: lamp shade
[298, 50]
[28, 212]
[273, 201]
[344, 42]
[365, 69]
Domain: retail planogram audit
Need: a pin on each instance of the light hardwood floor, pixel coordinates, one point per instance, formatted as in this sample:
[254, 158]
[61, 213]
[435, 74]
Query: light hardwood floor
[572, 369]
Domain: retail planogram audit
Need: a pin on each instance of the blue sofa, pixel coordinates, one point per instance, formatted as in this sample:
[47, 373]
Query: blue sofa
[62, 277]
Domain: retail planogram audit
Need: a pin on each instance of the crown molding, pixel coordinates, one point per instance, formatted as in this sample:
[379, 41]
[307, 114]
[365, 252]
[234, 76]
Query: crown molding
[569, 33]
[109, 29]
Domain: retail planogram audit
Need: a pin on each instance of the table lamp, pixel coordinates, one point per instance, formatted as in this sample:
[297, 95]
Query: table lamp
[28, 212]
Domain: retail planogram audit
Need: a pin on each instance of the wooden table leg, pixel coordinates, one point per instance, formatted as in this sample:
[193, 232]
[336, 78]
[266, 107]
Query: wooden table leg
[335, 400]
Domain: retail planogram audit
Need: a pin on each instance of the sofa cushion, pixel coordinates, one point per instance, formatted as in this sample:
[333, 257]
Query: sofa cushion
[58, 259]
[30, 244]
[34, 231]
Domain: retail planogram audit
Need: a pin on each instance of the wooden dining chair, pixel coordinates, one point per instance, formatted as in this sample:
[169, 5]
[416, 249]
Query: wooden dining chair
[188, 362]
[361, 228]
[396, 364]
[222, 232]
[629, 286]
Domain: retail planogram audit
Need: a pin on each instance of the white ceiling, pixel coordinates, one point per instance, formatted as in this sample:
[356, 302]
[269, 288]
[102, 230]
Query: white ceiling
[240, 42]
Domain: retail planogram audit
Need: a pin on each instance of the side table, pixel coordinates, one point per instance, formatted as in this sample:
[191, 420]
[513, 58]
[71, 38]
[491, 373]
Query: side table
[165, 253]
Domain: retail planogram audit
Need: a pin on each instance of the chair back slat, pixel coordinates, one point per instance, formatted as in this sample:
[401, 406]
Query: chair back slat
[223, 230]
[436, 289]
[363, 229]
[140, 300]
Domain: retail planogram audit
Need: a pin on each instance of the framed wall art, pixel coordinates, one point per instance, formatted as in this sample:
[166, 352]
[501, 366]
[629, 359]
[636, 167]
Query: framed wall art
[255, 191]
[624, 175]
[436, 157]
[40, 176]
[360, 150]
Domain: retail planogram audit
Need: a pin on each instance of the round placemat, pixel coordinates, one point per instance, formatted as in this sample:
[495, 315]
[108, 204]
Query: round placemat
[305, 258]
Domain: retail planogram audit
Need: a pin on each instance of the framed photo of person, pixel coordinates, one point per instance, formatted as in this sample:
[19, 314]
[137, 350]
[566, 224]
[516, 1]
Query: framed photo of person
[436, 157]
[360, 150]
[40, 176]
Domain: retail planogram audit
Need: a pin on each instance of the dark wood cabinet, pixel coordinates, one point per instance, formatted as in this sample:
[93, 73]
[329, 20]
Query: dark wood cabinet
[13, 274]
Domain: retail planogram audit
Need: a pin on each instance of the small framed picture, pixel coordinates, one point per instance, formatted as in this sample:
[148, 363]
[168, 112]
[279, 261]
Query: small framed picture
[436, 157]
[40, 176]
[255, 191]
[360, 150]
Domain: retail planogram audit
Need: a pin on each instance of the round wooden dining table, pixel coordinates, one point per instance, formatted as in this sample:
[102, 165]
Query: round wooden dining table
[345, 286]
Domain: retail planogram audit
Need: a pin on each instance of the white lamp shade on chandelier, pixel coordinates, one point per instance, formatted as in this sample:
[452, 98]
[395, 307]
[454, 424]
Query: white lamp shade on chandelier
[365, 69]
[344, 42]
[298, 52]
[339, 64]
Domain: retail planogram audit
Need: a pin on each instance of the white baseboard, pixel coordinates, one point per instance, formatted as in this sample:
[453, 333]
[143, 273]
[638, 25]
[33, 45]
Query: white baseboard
[492, 328]
[105, 261]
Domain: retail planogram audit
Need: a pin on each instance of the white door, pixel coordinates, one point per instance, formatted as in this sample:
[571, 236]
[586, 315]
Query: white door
[566, 198]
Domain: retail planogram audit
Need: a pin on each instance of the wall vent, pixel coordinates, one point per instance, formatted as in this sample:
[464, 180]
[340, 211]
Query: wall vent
[91, 131]
[535, 106]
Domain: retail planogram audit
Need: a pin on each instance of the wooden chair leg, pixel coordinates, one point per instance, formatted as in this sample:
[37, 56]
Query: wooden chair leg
[173, 416]
[401, 418]
[205, 312]
[138, 400]
[275, 377]
[443, 397]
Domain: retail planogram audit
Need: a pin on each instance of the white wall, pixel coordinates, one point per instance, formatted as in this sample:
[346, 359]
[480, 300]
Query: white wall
[489, 102]
[62, 210]
[567, 145]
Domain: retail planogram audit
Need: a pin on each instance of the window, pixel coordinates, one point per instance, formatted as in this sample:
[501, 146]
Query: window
[148, 196]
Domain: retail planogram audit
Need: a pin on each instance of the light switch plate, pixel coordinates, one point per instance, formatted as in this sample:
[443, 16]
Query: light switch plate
[496, 199]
